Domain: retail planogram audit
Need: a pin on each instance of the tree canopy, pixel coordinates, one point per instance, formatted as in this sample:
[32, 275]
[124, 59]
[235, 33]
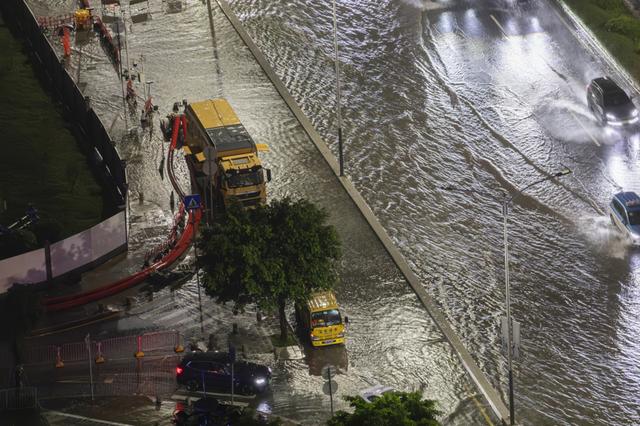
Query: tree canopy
[269, 255]
[390, 409]
[21, 307]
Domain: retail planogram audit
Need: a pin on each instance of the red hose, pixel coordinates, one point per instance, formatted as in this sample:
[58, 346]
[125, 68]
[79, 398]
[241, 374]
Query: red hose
[66, 302]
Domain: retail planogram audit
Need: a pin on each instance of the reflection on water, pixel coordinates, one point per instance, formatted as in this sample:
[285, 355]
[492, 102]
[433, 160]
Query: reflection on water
[317, 358]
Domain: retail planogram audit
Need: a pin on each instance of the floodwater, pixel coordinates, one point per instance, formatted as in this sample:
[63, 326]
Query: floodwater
[486, 96]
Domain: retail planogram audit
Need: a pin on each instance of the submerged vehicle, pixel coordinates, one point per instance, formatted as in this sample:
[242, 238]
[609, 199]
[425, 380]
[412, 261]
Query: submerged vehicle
[212, 371]
[320, 317]
[624, 211]
[609, 103]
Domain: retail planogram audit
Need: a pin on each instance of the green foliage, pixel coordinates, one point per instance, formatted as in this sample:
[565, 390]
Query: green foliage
[590, 13]
[269, 255]
[17, 242]
[40, 162]
[624, 25]
[47, 230]
[615, 27]
[22, 308]
[391, 409]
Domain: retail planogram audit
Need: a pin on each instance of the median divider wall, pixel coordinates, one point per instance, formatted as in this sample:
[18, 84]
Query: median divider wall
[476, 374]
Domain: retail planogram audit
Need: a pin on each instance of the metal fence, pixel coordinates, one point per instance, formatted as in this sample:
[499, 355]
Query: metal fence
[18, 398]
[116, 348]
[145, 376]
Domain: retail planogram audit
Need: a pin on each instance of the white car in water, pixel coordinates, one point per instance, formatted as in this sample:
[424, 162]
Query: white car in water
[375, 392]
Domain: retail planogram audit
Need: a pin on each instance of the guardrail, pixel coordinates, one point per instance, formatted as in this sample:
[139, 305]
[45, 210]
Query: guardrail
[19, 398]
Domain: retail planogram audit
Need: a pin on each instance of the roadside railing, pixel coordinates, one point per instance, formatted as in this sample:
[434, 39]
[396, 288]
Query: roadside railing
[18, 398]
[104, 350]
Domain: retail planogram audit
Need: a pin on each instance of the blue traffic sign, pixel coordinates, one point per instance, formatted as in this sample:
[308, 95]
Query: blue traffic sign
[192, 202]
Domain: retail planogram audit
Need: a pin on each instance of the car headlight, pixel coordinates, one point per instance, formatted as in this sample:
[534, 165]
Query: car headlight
[634, 113]
[260, 381]
[611, 116]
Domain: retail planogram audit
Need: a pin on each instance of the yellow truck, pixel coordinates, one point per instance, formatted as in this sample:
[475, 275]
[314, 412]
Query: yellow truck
[321, 318]
[223, 156]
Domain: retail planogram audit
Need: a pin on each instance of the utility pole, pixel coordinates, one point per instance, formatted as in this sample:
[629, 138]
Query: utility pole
[338, 102]
[195, 251]
[510, 328]
[87, 341]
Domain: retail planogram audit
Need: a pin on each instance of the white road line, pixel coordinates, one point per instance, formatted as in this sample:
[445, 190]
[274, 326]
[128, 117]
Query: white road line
[75, 416]
[504, 33]
[585, 129]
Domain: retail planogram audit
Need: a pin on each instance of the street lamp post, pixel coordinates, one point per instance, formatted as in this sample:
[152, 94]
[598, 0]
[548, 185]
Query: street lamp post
[506, 200]
[338, 102]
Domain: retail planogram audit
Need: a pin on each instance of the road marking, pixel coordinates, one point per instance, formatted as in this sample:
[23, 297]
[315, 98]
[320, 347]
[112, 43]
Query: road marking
[75, 416]
[584, 128]
[504, 33]
[480, 407]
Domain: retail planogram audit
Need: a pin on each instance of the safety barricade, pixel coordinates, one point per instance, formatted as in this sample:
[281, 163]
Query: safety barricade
[159, 341]
[116, 348]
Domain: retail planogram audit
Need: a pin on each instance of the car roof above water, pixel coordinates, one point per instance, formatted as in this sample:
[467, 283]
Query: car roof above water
[206, 356]
[608, 85]
[629, 199]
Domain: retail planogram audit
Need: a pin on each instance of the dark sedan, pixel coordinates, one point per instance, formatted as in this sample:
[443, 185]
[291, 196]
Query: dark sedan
[211, 371]
[609, 103]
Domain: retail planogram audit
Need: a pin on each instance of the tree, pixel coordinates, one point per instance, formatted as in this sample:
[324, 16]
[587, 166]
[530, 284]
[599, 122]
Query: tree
[22, 308]
[390, 409]
[269, 255]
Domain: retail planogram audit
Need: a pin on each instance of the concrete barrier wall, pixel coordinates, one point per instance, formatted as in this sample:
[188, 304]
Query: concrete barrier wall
[88, 246]
[25, 268]
[78, 252]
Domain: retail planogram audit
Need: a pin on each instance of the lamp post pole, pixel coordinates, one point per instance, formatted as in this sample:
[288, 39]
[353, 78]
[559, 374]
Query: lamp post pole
[506, 200]
[338, 102]
[507, 291]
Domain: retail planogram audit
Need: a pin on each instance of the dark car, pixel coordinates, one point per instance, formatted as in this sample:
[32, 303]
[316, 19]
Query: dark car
[213, 371]
[609, 103]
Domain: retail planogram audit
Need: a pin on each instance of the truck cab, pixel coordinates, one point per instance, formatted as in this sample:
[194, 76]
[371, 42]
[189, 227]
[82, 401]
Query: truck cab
[320, 317]
[243, 180]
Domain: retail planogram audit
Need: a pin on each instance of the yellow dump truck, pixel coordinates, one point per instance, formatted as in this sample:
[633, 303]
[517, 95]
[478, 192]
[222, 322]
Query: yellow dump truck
[321, 318]
[223, 156]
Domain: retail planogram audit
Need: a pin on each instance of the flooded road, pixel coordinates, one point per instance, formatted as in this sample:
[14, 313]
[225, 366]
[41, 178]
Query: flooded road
[487, 96]
[482, 95]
